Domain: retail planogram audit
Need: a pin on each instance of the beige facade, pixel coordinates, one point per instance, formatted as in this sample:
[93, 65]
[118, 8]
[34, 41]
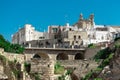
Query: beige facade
[82, 33]
[75, 37]
[85, 24]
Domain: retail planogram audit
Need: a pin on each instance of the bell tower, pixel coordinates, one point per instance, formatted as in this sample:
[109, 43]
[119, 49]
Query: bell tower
[91, 18]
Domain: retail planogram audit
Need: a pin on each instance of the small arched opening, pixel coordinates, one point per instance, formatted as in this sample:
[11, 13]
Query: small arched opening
[79, 56]
[62, 56]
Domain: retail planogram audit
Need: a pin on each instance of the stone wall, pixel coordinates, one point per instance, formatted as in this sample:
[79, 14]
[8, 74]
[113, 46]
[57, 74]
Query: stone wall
[80, 67]
[43, 67]
[76, 63]
[90, 52]
[52, 53]
[12, 56]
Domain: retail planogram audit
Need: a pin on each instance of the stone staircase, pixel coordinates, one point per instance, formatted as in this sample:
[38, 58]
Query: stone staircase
[90, 52]
[84, 68]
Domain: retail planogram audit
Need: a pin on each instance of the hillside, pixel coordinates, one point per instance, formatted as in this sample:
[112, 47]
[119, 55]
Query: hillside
[109, 64]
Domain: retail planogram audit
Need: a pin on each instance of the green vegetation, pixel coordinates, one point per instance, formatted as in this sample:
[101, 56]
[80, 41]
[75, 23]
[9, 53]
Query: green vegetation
[37, 76]
[98, 69]
[63, 76]
[16, 72]
[68, 72]
[91, 46]
[117, 44]
[15, 60]
[11, 64]
[116, 38]
[91, 74]
[106, 61]
[3, 59]
[58, 68]
[8, 47]
[88, 76]
[106, 55]
[102, 54]
[27, 66]
[98, 79]
[14, 69]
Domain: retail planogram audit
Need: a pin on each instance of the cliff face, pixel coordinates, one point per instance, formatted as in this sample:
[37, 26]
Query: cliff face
[115, 65]
[5, 69]
[2, 75]
[112, 71]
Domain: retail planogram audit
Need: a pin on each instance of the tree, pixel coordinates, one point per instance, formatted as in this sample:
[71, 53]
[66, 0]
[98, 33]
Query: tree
[8, 47]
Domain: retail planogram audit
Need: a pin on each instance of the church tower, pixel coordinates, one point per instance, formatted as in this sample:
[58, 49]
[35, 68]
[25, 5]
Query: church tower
[81, 16]
[91, 18]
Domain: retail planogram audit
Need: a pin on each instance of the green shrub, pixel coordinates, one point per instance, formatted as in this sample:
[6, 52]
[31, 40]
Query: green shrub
[98, 69]
[91, 45]
[58, 68]
[98, 79]
[102, 54]
[27, 66]
[88, 76]
[8, 47]
[16, 72]
[117, 45]
[37, 76]
[116, 39]
[68, 72]
[61, 77]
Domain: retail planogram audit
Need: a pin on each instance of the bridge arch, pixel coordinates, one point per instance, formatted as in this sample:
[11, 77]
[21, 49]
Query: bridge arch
[79, 56]
[41, 56]
[62, 56]
[36, 56]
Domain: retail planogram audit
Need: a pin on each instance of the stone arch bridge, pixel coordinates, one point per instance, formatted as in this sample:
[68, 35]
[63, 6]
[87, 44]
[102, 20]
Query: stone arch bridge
[42, 61]
[55, 53]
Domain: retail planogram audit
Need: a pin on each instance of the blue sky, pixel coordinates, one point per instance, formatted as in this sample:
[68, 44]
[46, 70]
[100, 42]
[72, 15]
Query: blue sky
[41, 13]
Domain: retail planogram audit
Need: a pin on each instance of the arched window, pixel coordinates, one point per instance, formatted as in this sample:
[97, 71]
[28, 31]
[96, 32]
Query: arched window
[79, 37]
[74, 37]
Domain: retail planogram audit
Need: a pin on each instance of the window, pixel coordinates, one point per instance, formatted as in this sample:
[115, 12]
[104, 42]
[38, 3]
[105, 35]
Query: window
[70, 29]
[74, 37]
[55, 30]
[76, 41]
[79, 37]
[102, 37]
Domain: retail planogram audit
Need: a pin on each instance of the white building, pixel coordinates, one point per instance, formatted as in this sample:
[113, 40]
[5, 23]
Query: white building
[82, 33]
[27, 33]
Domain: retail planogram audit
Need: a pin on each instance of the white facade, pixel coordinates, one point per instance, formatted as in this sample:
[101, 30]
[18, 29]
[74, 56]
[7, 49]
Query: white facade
[100, 36]
[85, 29]
[27, 33]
